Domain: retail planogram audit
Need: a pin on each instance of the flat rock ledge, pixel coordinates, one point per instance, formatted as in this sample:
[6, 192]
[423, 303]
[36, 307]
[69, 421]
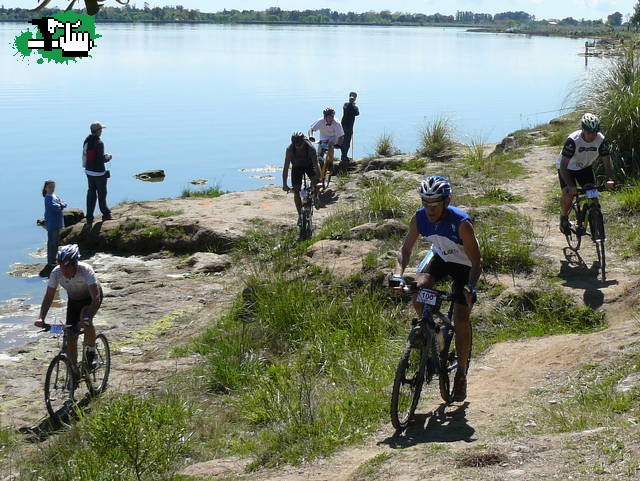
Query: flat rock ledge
[183, 225]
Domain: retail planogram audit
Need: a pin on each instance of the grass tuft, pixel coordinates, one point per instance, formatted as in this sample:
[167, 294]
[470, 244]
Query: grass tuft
[435, 140]
[166, 213]
[385, 146]
[212, 191]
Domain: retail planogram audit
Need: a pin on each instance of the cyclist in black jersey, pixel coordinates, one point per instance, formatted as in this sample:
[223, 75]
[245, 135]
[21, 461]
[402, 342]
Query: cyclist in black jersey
[581, 149]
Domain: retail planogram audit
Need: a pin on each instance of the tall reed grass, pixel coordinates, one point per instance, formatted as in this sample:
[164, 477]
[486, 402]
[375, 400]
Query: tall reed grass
[435, 140]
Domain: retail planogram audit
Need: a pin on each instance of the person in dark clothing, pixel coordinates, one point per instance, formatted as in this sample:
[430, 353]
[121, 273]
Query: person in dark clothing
[93, 160]
[349, 113]
[302, 157]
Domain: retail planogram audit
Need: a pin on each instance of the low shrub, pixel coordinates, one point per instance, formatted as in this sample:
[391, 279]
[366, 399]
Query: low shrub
[127, 438]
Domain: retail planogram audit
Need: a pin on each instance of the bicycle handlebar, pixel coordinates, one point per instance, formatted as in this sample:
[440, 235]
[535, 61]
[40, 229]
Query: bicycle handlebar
[412, 288]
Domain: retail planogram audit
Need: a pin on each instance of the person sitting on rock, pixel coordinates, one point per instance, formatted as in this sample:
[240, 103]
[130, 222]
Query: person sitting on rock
[575, 163]
[454, 253]
[302, 157]
[84, 293]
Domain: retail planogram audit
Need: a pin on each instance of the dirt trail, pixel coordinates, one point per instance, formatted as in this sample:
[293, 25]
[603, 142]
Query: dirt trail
[498, 380]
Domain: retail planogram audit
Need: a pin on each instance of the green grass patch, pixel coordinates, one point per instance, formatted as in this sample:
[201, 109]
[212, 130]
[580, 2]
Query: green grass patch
[507, 241]
[378, 200]
[533, 313]
[154, 233]
[302, 381]
[127, 438]
[385, 146]
[493, 196]
[212, 191]
[435, 140]
[592, 400]
[166, 213]
[418, 165]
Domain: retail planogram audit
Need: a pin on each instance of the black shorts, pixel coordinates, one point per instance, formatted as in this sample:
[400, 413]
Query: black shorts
[298, 171]
[436, 267]
[583, 177]
[74, 308]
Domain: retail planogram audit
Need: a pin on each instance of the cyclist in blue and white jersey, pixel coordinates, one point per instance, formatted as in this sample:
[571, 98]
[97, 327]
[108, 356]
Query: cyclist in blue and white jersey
[581, 149]
[454, 253]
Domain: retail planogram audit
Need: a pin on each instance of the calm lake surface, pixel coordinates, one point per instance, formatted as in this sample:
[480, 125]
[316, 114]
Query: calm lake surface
[204, 101]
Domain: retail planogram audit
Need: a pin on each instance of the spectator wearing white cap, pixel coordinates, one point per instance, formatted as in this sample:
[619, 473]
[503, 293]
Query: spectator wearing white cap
[93, 160]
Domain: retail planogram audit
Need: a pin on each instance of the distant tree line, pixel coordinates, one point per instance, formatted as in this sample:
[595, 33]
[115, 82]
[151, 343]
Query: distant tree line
[275, 15]
[178, 13]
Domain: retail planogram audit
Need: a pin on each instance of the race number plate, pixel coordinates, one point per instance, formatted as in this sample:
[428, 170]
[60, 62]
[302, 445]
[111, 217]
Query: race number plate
[427, 296]
[592, 194]
[56, 329]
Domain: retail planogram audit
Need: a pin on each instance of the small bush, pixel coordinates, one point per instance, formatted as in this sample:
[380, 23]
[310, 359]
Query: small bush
[212, 191]
[127, 439]
[435, 140]
[385, 146]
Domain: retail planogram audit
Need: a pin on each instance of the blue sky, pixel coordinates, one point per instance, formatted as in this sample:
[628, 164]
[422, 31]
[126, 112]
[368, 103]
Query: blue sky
[590, 9]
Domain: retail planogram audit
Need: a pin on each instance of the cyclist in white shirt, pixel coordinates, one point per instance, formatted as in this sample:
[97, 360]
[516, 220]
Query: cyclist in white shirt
[331, 132]
[581, 149]
[84, 293]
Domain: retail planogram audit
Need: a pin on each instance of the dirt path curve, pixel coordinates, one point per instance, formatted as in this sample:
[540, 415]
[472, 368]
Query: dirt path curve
[503, 376]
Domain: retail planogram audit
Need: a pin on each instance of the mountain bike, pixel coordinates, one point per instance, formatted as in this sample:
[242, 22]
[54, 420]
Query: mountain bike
[427, 353]
[586, 209]
[64, 376]
[306, 214]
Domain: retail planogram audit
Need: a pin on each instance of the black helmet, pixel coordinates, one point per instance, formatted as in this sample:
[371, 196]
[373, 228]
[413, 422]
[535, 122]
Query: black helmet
[328, 111]
[297, 138]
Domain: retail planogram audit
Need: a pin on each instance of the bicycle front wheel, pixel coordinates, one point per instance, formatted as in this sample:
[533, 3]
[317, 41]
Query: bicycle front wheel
[574, 237]
[59, 388]
[98, 375]
[407, 385]
[306, 224]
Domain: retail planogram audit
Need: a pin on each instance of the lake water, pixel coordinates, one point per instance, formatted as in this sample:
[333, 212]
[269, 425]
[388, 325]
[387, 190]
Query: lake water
[204, 101]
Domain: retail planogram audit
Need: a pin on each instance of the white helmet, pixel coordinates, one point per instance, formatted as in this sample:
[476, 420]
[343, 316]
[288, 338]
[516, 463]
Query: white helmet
[590, 123]
[434, 186]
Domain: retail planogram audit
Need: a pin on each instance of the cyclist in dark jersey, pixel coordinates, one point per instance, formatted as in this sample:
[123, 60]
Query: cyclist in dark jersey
[454, 253]
[575, 163]
[302, 157]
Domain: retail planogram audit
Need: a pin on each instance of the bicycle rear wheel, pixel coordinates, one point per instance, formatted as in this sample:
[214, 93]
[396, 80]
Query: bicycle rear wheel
[59, 388]
[574, 237]
[98, 376]
[596, 223]
[407, 385]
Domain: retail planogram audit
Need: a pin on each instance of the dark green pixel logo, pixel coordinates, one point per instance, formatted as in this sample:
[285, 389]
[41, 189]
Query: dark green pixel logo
[60, 38]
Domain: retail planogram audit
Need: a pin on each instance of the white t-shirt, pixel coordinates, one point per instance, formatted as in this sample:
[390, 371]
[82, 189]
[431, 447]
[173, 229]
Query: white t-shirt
[582, 153]
[328, 131]
[78, 286]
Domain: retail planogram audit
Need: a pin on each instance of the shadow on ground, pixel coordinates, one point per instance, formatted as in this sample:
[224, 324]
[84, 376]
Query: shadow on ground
[445, 424]
[578, 275]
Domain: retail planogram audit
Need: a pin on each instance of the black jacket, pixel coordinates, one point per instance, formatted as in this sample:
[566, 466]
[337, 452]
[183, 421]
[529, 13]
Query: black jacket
[95, 153]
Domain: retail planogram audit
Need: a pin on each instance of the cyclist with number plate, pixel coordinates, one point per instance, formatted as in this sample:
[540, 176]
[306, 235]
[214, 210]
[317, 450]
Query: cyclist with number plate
[574, 164]
[331, 133]
[454, 253]
[84, 293]
[301, 155]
